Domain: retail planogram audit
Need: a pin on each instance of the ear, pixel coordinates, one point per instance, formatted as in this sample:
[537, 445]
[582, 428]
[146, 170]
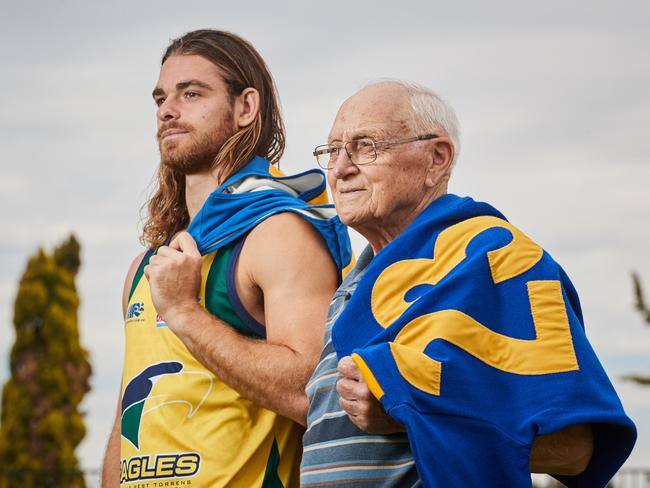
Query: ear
[442, 155]
[246, 107]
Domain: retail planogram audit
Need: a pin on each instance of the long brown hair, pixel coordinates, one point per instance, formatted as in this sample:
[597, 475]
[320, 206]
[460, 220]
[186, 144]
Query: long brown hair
[241, 67]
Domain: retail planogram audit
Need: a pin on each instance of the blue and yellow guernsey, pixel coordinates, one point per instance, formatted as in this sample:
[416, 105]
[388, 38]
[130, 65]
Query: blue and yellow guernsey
[472, 337]
[180, 424]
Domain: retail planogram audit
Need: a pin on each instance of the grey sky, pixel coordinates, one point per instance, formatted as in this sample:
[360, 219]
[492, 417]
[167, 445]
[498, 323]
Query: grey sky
[552, 99]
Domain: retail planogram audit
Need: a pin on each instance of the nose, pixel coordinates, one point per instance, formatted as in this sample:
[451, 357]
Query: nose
[167, 110]
[343, 165]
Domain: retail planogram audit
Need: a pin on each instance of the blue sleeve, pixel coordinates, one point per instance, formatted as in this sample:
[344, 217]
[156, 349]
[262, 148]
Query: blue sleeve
[459, 451]
[585, 397]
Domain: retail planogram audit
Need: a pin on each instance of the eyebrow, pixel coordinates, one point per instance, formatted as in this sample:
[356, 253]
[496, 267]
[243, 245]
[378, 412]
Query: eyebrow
[181, 85]
[361, 133]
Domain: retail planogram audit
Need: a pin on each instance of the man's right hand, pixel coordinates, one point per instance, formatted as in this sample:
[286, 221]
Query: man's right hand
[174, 275]
[363, 409]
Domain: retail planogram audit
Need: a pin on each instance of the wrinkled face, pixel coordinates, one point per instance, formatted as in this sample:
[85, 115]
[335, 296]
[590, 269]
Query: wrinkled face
[194, 113]
[387, 192]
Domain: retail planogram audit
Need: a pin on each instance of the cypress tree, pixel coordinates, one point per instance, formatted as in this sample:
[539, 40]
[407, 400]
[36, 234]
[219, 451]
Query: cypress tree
[41, 424]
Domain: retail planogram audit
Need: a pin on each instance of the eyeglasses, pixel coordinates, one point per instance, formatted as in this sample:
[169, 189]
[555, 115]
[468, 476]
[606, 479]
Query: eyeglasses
[360, 151]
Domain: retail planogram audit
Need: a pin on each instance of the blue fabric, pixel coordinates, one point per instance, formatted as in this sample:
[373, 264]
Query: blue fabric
[479, 429]
[225, 216]
[231, 289]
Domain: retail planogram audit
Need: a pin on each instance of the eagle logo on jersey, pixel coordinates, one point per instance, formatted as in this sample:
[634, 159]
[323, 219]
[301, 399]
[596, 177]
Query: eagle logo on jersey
[158, 385]
[136, 393]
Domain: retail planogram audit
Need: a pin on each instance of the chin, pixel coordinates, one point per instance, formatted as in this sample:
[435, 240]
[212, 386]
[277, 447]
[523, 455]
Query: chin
[349, 218]
[169, 156]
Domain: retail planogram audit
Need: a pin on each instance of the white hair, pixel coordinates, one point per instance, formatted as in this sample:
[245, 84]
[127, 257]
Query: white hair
[430, 110]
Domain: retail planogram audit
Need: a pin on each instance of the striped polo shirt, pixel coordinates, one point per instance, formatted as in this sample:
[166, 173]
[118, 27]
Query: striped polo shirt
[336, 452]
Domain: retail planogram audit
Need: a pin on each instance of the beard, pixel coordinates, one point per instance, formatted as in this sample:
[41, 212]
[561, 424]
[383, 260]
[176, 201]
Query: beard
[195, 153]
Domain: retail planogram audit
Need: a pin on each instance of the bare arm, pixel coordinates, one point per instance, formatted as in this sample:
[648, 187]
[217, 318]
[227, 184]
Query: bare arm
[565, 452]
[111, 466]
[287, 262]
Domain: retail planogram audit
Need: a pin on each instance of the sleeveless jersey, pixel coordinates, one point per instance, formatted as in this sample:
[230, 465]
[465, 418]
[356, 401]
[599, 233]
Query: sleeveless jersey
[182, 426]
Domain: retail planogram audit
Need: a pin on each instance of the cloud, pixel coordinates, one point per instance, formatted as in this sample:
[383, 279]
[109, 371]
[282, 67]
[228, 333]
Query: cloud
[553, 104]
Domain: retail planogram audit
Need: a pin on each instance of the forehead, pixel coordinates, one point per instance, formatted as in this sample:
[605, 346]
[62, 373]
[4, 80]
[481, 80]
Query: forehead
[178, 68]
[376, 111]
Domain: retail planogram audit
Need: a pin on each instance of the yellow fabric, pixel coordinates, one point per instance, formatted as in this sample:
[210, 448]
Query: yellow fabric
[552, 349]
[416, 367]
[348, 268]
[373, 384]
[191, 421]
[550, 352]
[275, 171]
[321, 199]
[511, 260]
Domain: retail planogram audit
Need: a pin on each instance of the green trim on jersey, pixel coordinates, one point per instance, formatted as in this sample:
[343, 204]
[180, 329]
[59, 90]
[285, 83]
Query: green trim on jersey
[217, 301]
[140, 271]
[271, 477]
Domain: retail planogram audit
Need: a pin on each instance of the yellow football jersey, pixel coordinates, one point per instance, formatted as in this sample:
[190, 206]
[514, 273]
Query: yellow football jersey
[182, 426]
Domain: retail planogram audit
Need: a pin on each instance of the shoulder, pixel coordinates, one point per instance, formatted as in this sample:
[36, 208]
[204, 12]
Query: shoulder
[283, 221]
[285, 230]
[285, 241]
[490, 228]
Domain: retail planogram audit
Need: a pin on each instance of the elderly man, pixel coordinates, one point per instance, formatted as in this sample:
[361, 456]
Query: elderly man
[465, 330]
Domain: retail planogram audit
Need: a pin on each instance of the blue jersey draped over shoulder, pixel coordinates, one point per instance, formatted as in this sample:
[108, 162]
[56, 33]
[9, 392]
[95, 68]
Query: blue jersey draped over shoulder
[472, 337]
[253, 194]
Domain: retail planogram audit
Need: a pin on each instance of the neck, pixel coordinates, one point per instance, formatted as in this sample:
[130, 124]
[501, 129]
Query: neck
[382, 234]
[198, 188]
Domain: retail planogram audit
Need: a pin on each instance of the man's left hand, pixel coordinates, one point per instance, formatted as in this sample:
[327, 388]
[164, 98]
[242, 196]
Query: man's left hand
[364, 410]
[174, 275]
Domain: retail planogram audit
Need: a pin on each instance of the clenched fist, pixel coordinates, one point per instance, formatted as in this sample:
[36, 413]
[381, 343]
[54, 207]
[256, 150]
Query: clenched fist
[364, 410]
[174, 275]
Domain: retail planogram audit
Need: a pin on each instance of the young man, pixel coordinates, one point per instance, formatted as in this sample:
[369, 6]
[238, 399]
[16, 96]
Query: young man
[212, 390]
